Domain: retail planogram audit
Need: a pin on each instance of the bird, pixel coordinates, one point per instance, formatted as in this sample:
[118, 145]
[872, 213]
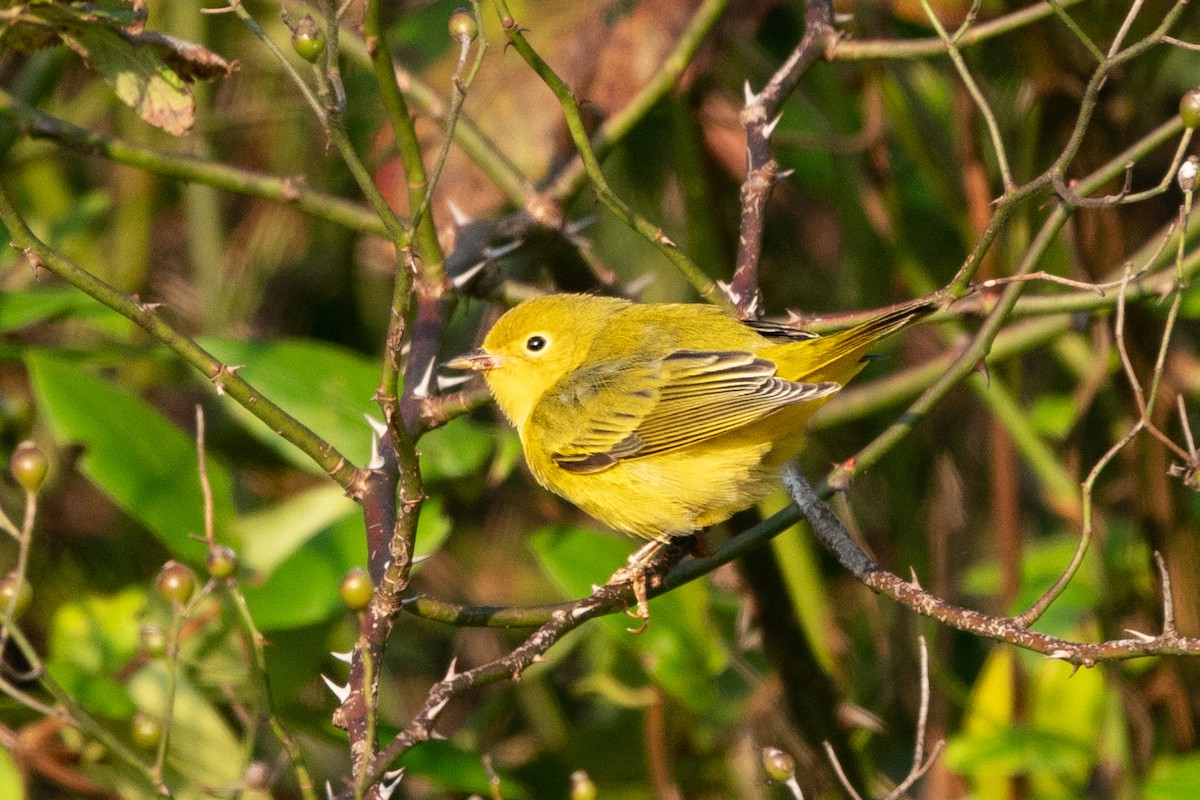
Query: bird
[660, 419]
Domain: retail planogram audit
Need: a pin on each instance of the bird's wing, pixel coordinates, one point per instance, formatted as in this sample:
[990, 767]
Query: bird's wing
[636, 410]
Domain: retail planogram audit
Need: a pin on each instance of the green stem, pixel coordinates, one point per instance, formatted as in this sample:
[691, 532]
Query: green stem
[255, 639]
[223, 377]
[405, 133]
[574, 177]
[292, 192]
[694, 275]
[851, 50]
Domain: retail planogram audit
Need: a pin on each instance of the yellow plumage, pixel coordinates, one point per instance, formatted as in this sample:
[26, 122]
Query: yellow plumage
[659, 419]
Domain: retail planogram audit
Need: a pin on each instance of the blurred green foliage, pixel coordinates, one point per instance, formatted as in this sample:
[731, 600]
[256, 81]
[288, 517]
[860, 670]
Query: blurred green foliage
[879, 206]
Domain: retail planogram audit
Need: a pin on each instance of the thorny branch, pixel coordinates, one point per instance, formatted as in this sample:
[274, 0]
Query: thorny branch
[760, 116]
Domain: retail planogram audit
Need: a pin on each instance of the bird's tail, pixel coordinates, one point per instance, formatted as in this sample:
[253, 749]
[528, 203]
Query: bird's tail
[838, 356]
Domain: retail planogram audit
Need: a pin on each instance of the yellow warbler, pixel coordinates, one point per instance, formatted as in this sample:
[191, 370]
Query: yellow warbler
[660, 419]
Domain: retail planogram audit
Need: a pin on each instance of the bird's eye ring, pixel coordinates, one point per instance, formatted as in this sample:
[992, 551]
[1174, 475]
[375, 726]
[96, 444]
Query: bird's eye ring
[535, 343]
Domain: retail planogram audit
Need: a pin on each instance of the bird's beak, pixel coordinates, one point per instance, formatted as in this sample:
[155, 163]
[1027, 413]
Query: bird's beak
[478, 360]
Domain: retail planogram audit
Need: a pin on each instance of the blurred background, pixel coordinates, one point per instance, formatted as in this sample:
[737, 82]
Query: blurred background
[892, 180]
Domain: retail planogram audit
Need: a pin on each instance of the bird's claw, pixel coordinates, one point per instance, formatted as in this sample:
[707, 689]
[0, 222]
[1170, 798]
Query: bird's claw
[637, 582]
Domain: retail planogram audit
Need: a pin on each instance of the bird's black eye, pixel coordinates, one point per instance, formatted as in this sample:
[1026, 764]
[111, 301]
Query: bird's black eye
[535, 343]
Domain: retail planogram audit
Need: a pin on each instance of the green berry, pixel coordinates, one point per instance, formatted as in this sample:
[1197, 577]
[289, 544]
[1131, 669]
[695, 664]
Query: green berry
[176, 583]
[779, 766]
[356, 589]
[222, 562]
[16, 590]
[29, 466]
[463, 27]
[308, 40]
[1189, 108]
[145, 731]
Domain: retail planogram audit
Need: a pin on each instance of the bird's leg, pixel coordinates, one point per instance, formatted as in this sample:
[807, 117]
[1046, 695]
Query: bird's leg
[634, 572]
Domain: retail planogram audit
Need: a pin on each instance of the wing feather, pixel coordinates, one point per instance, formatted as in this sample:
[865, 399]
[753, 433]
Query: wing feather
[643, 409]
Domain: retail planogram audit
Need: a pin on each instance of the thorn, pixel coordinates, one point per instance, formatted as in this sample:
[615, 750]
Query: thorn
[492, 253]
[408, 601]
[748, 93]
[1061, 655]
[452, 673]
[843, 18]
[461, 218]
[580, 611]
[784, 174]
[438, 736]
[983, 370]
[388, 784]
[376, 459]
[418, 559]
[405, 348]
[1141, 637]
[340, 692]
[437, 709]
[728, 290]
[421, 390]
[915, 581]
[328, 791]
[344, 657]
[377, 425]
[446, 382]
[465, 277]
[538, 658]
[769, 128]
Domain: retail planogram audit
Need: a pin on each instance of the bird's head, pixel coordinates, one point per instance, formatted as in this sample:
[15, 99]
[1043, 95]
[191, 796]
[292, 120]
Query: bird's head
[535, 345]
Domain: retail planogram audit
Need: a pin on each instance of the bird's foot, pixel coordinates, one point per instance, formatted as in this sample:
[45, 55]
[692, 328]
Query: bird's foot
[634, 573]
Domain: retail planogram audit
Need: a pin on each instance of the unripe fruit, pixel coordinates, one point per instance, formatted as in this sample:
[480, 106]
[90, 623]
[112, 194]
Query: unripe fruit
[175, 583]
[779, 766]
[145, 731]
[463, 27]
[16, 590]
[356, 589]
[308, 40]
[222, 562]
[29, 466]
[1189, 108]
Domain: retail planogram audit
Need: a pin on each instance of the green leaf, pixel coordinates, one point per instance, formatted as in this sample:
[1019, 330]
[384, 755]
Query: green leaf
[455, 450]
[137, 457]
[1054, 414]
[91, 638]
[1173, 777]
[302, 588]
[138, 77]
[456, 769]
[1018, 750]
[19, 309]
[11, 785]
[680, 647]
[272, 535]
[329, 390]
